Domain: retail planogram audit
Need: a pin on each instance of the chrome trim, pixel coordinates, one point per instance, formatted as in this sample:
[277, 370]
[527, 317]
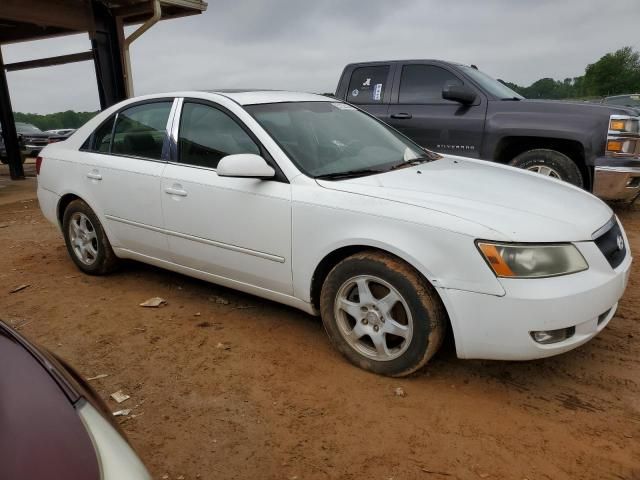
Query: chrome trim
[632, 136]
[167, 146]
[226, 246]
[174, 130]
[611, 183]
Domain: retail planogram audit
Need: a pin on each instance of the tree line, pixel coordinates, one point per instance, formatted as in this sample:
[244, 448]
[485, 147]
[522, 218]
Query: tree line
[614, 73]
[52, 121]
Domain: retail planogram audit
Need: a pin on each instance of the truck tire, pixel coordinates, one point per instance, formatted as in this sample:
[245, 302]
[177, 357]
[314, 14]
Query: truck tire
[550, 163]
[381, 314]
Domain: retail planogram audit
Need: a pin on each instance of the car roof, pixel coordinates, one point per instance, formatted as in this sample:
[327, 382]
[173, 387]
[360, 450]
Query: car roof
[415, 60]
[623, 96]
[240, 96]
[253, 97]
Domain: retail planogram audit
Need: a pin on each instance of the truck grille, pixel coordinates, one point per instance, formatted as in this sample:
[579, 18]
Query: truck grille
[35, 141]
[609, 244]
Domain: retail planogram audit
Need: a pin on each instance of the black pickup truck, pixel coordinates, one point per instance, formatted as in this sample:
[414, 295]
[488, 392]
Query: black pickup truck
[457, 109]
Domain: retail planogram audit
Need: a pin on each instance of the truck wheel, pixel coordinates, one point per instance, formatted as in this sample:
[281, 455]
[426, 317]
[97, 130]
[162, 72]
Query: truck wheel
[381, 314]
[550, 163]
[86, 240]
[4, 161]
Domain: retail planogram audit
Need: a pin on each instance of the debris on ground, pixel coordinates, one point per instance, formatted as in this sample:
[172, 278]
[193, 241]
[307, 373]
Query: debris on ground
[223, 346]
[219, 300]
[119, 396]
[154, 302]
[197, 314]
[399, 392]
[4, 225]
[21, 287]
[244, 307]
[97, 377]
[122, 413]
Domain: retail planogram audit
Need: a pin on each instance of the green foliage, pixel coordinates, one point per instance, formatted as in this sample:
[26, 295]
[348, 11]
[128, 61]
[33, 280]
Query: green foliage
[615, 73]
[51, 121]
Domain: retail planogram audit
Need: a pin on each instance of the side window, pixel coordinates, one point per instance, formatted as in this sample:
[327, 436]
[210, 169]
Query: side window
[424, 83]
[368, 85]
[102, 137]
[208, 134]
[140, 130]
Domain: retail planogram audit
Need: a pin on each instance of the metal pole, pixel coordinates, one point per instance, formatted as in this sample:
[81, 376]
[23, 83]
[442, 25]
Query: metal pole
[157, 14]
[9, 132]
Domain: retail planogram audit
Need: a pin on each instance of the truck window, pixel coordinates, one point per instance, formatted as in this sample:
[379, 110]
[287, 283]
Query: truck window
[368, 85]
[424, 83]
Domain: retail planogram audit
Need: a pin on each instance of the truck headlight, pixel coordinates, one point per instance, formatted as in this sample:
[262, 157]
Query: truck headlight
[532, 261]
[624, 124]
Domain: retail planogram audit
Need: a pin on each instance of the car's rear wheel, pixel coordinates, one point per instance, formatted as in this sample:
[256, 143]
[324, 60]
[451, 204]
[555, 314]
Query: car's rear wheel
[381, 314]
[86, 240]
[549, 163]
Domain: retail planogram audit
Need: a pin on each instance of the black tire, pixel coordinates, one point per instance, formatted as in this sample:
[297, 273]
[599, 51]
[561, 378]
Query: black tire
[4, 161]
[563, 167]
[102, 260]
[427, 313]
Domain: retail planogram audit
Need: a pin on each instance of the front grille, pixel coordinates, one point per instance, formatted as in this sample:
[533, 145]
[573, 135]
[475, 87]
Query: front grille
[36, 141]
[609, 244]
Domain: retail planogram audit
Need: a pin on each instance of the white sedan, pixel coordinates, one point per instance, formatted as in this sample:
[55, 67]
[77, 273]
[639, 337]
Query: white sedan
[307, 201]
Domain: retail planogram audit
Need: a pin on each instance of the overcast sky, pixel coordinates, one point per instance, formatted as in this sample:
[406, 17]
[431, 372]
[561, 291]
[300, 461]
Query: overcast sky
[303, 45]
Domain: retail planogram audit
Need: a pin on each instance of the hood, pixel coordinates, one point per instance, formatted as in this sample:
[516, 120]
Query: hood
[574, 106]
[519, 205]
[34, 134]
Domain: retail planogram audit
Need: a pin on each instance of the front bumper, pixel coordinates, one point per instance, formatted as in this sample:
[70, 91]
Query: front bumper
[499, 327]
[33, 149]
[617, 183]
[617, 178]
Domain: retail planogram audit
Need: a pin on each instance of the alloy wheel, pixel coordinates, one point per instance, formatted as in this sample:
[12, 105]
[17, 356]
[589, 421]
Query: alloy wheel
[373, 317]
[84, 240]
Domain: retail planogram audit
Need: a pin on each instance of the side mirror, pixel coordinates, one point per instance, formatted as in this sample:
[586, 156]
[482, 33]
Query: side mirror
[459, 93]
[244, 165]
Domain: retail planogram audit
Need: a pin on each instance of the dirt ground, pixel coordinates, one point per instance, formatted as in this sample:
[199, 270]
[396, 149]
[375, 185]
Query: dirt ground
[228, 386]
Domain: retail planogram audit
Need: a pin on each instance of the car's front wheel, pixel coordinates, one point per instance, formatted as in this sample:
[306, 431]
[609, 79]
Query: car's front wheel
[86, 240]
[381, 314]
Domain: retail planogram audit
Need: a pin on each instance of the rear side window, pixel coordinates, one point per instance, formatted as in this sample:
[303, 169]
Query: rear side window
[208, 134]
[368, 85]
[140, 131]
[102, 137]
[424, 83]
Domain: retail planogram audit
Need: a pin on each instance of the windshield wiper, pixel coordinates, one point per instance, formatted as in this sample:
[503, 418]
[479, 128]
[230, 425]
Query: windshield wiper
[413, 162]
[348, 174]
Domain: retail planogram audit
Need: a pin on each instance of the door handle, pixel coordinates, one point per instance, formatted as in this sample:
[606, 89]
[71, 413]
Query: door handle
[401, 116]
[176, 190]
[94, 175]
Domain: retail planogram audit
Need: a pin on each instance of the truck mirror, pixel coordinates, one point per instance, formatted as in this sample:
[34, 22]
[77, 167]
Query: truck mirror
[459, 93]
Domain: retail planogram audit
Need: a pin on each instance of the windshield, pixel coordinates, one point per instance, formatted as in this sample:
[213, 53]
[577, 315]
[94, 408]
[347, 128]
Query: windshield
[27, 128]
[490, 84]
[324, 138]
[624, 100]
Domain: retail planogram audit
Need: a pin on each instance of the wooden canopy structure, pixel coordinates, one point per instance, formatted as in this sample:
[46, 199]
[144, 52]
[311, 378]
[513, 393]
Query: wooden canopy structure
[103, 21]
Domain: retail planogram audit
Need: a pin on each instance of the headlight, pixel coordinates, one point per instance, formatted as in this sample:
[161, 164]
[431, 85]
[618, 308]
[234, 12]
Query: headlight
[623, 124]
[532, 261]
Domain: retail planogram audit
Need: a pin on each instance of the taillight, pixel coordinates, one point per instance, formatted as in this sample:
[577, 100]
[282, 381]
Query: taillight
[38, 165]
